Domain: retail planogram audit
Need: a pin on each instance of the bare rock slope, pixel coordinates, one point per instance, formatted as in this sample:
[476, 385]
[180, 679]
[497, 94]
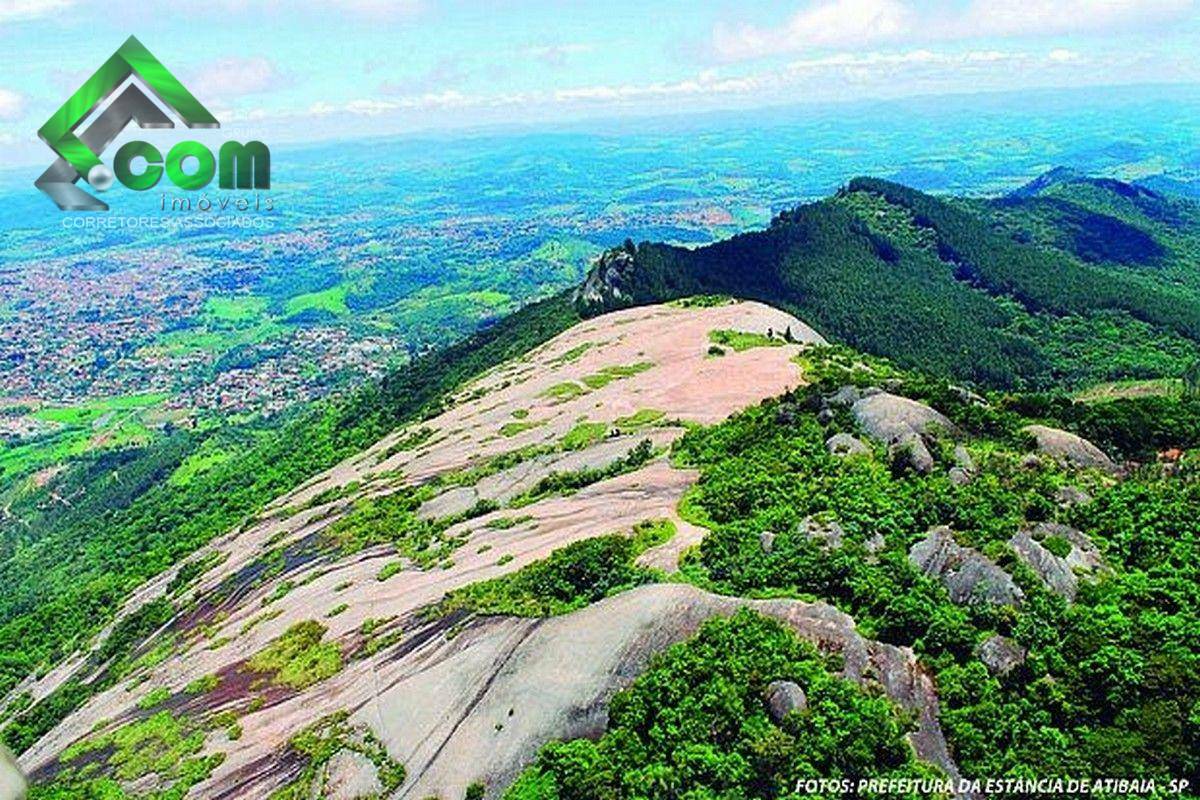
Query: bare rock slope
[583, 403]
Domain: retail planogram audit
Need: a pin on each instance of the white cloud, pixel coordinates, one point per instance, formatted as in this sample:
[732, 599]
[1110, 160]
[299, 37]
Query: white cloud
[237, 77]
[449, 99]
[708, 82]
[825, 24]
[886, 70]
[984, 18]
[556, 54]
[12, 105]
[831, 24]
[14, 10]
[825, 77]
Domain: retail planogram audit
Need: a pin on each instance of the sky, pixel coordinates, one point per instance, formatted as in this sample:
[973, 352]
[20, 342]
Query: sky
[292, 70]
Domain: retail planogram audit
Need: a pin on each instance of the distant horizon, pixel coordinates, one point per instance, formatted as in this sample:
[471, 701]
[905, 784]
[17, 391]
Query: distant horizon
[280, 71]
[664, 121]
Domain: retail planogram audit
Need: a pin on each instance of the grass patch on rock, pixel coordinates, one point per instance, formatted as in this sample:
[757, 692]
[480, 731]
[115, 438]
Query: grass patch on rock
[298, 659]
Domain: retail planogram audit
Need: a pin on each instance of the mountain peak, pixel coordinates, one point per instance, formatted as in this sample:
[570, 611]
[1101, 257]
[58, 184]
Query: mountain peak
[1052, 177]
[608, 282]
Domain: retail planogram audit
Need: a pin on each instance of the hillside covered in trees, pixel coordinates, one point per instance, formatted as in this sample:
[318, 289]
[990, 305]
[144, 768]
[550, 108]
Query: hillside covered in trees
[1065, 283]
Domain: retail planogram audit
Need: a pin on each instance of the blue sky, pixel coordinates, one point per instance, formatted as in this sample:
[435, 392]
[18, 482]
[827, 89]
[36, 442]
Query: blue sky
[296, 69]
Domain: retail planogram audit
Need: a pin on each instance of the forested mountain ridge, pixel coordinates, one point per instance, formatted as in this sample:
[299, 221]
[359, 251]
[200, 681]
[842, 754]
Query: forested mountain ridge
[1065, 283]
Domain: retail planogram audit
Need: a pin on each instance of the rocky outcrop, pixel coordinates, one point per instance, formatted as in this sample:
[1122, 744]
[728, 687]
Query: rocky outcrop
[967, 574]
[904, 425]
[783, 698]
[609, 282]
[876, 544]
[959, 476]
[1000, 655]
[477, 707]
[1072, 496]
[848, 395]
[468, 442]
[825, 532]
[843, 444]
[1059, 573]
[1070, 450]
[12, 782]
[963, 460]
[507, 484]
[891, 418]
[912, 454]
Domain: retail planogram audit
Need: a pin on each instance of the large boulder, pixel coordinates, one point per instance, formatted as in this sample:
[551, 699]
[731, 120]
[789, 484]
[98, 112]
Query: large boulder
[1001, 655]
[1059, 573]
[1072, 496]
[1070, 450]
[783, 698]
[968, 575]
[963, 460]
[891, 418]
[912, 454]
[843, 444]
[904, 425]
[959, 476]
[12, 782]
[1053, 570]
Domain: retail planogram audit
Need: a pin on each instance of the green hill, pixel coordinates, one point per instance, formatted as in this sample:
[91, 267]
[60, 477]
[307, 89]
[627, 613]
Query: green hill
[1067, 282]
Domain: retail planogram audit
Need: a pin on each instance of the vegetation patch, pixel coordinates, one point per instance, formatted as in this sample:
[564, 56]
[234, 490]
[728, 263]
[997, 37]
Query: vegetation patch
[569, 482]
[741, 341]
[298, 659]
[164, 746]
[504, 523]
[319, 743]
[567, 390]
[583, 435]
[573, 354]
[642, 418]
[570, 578]
[202, 685]
[607, 375]
[698, 718]
[392, 519]
[703, 301]
[511, 429]
[409, 441]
